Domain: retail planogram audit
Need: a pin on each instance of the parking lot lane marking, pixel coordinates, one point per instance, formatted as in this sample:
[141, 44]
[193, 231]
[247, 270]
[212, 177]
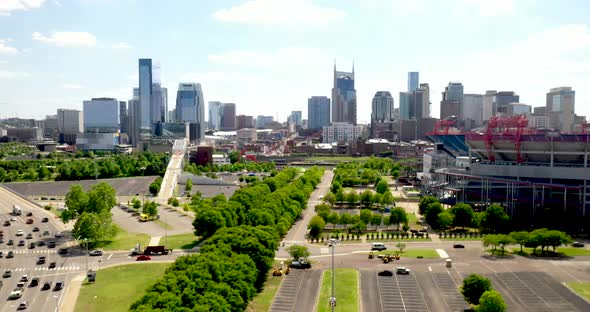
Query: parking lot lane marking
[429, 269]
[489, 267]
[400, 292]
[379, 288]
[558, 265]
[109, 257]
[527, 286]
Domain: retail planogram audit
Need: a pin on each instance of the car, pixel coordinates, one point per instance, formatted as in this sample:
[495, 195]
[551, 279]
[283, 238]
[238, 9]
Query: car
[63, 251]
[378, 246]
[30, 221]
[52, 265]
[29, 214]
[31, 245]
[385, 273]
[41, 260]
[41, 243]
[13, 219]
[10, 242]
[402, 270]
[458, 246]
[24, 278]
[15, 294]
[45, 233]
[20, 285]
[58, 234]
[577, 244]
[7, 274]
[21, 243]
[332, 242]
[96, 253]
[6, 223]
[58, 286]
[143, 258]
[46, 286]
[29, 236]
[51, 245]
[34, 282]
[10, 254]
[1, 240]
[1, 254]
[300, 264]
[23, 305]
[44, 220]
[36, 229]
[20, 233]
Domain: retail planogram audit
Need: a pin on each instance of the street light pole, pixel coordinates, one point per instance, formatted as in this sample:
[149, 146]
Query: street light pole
[86, 241]
[333, 299]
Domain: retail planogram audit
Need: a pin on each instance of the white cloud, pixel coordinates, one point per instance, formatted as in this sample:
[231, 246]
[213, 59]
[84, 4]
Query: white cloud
[487, 7]
[4, 74]
[5, 48]
[281, 57]
[67, 38]
[72, 86]
[271, 12]
[8, 6]
[121, 46]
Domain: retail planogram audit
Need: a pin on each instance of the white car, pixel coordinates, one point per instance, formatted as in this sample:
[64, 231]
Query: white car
[13, 219]
[20, 233]
[402, 270]
[15, 294]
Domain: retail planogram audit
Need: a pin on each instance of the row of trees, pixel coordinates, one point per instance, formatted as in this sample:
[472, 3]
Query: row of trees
[362, 174]
[366, 199]
[543, 238]
[155, 186]
[84, 168]
[242, 235]
[493, 219]
[234, 167]
[477, 291]
[92, 212]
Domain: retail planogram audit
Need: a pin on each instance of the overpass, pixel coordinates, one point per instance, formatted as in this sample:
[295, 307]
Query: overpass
[173, 170]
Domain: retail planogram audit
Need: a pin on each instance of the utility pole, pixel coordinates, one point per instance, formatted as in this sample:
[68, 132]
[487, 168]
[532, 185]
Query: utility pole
[333, 298]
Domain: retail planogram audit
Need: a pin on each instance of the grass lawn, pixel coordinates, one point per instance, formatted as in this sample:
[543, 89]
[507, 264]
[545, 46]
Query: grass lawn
[163, 224]
[264, 299]
[124, 241]
[118, 287]
[462, 239]
[180, 241]
[411, 253]
[583, 289]
[347, 295]
[564, 251]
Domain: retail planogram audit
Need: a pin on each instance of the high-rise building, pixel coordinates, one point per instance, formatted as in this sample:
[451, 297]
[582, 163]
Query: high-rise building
[133, 121]
[503, 99]
[473, 108]
[123, 117]
[227, 121]
[452, 101]
[101, 115]
[50, 128]
[413, 81]
[70, 121]
[295, 118]
[344, 97]
[214, 114]
[560, 107]
[422, 101]
[243, 121]
[489, 100]
[318, 112]
[263, 121]
[406, 109]
[382, 107]
[145, 96]
[343, 132]
[159, 104]
[190, 105]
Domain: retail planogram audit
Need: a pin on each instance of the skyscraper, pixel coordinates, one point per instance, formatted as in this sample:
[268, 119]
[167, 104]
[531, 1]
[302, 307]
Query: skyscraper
[560, 107]
[262, 121]
[214, 114]
[227, 121]
[190, 105]
[473, 109]
[406, 109]
[503, 99]
[424, 103]
[413, 81]
[382, 107]
[123, 117]
[318, 112]
[145, 97]
[296, 118]
[101, 115]
[452, 101]
[70, 121]
[344, 97]
[133, 120]
[244, 121]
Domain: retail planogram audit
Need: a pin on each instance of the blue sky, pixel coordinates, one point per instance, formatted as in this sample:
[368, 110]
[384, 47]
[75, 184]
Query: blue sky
[269, 56]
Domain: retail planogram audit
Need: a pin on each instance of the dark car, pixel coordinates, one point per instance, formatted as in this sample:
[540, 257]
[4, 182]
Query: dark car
[51, 245]
[21, 243]
[23, 305]
[1, 254]
[7, 273]
[45, 219]
[300, 264]
[29, 214]
[29, 236]
[6, 223]
[385, 273]
[143, 258]
[1, 240]
[63, 251]
[41, 243]
[46, 286]
[577, 244]
[34, 282]
[10, 254]
[36, 229]
[58, 286]
[10, 242]
[41, 260]
[52, 265]
[30, 221]
[458, 246]
[31, 245]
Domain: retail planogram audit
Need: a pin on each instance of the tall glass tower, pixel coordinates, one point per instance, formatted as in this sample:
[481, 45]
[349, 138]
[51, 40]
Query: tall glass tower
[413, 81]
[190, 105]
[344, 97]
[145, 96]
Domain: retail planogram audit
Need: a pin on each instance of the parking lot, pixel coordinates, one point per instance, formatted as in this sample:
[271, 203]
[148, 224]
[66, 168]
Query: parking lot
[298, 291]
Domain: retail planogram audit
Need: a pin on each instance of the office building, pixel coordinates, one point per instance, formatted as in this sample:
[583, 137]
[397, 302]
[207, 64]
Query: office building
[159, 104]
[296, 118]
[560, 107]
[70, 121]
[246, 136]
[190, 106]
[263, 121]
[382, 107]
[413, 81]
[422, 101]
[243, 121]
[25, 134]
[133, 121]
[50, 127]
[502, 100]
[405, 105]
[214, 114]
[489, 110]
[227, 120]
[318, 112]
[343, 132]
[124, 124]
[145, 94]
[473, 108]
[101, 115]
[344, 97]
[452, 101]
[518, 109]
[96, 141]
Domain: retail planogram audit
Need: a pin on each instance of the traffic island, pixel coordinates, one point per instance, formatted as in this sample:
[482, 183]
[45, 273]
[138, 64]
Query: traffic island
[346, 291]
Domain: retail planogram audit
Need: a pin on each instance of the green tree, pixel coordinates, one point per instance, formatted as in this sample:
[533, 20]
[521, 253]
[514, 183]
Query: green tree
[432, 213]
[345, 218]
[376, 219]
[463, 215]
[503, 241]
[207, 221]
[366, 198]
[495, 219]
[316, 226]
[150, 208]
[521, 237]
[234, 156]
[333, 218]
[474, 286]
[335, 187]
[395, 175]
[352, 198]
[189, 185]
[491, 301]
[186, 208]
[381, 187]
[398, 216]
[386, 198]
[298, 251]
[101, 198]
[366, 215]
[401, 246]
[136, 203]
[323, 211]
[94, 227]
[76, 202]
[340, 196]
[330, 198]
[492, 240]
[425, 202]
[556, 238]
[445, 219]
[376, 199]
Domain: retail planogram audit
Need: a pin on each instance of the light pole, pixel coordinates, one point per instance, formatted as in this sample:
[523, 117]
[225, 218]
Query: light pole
[333, 298]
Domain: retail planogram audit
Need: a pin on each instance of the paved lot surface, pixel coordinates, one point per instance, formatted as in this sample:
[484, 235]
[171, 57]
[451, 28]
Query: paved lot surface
[124, 186]
[179, 222]
[298, 291]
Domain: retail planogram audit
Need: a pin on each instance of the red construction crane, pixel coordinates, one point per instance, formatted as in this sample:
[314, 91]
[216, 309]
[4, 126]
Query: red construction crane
[508, 127]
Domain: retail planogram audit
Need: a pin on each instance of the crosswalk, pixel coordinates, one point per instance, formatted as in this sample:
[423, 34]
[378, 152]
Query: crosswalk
[30, 251]
[65, 268]
[292, 242]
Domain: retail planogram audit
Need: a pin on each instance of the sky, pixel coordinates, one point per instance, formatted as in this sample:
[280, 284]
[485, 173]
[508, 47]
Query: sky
[268, 57]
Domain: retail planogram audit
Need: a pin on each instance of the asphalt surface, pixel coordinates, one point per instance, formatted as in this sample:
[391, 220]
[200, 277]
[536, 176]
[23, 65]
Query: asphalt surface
[298, 292]
[124, 186]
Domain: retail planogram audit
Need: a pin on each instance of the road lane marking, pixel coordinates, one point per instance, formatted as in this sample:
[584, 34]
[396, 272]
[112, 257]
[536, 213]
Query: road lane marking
[109, 257]
[430, 269]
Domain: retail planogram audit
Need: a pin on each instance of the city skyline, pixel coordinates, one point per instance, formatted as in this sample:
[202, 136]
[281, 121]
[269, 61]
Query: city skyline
[71, 60]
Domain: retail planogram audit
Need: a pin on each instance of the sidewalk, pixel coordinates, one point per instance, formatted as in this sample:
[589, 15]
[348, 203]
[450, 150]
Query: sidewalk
[68, 301]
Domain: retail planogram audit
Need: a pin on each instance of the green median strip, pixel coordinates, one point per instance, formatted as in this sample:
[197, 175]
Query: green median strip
[180, 241]
[411, 253]
[124, 240]
[583, 289]
[116, 288]
[346, 286]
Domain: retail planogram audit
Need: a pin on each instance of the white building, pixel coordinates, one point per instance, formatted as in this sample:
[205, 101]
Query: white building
[101, 115]
[473, 108]
[246, 135]
[221, 159]
[70, 121]
[343, 132]
[537, 122]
